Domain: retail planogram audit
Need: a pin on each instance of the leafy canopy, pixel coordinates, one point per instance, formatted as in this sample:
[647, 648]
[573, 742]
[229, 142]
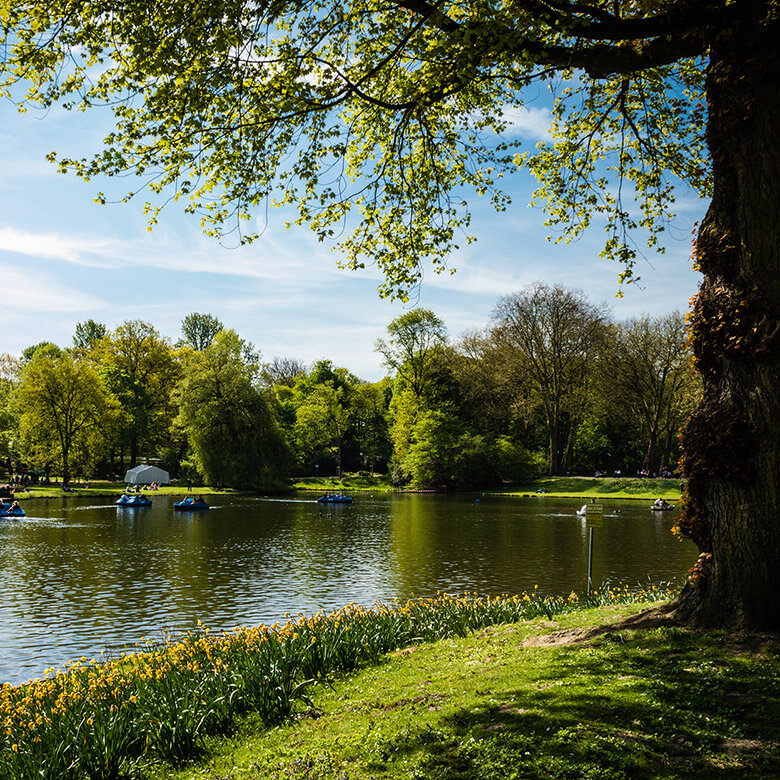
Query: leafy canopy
[375, 120]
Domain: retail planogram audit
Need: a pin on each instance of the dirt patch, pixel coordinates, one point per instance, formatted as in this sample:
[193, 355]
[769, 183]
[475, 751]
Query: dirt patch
[641, 621]
[568, 637]
[736, 746]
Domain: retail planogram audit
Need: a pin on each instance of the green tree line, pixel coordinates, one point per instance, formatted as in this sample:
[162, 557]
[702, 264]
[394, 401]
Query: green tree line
[550, 385]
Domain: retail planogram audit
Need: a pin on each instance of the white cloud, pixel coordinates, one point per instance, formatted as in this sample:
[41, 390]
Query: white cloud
[267, 259]
[531, 123]
[54, 246]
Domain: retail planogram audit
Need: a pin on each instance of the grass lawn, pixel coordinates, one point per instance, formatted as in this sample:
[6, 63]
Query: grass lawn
[587, 695]
[114, 489]
[347, 482]
[602, 487]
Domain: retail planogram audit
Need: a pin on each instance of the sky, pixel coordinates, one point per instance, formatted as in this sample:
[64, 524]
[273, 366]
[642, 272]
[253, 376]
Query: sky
[65, 259]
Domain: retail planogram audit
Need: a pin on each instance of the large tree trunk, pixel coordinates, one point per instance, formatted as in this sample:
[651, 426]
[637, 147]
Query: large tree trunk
[732, 443]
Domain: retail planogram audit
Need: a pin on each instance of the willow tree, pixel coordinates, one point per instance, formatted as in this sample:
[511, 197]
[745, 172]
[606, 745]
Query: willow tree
[382, 116]
[234, 438]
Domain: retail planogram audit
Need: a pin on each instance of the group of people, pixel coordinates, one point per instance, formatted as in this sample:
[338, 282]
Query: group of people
[191, 500]
[138, 488]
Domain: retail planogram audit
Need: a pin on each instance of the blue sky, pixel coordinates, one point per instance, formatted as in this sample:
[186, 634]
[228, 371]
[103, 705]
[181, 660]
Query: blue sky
[64, 259]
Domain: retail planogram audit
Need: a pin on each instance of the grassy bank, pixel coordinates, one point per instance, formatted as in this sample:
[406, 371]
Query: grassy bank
[556, 487]
[378, 483]
[601, 487]
[594, 694]
[161, 704]
[102, 489]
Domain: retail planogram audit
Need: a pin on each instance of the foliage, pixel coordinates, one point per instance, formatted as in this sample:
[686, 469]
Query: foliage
[555, 335]
[652, 379]
[227, 419]
[62, 407]
[9, 373]
[332, 419]
[477, 418]
[322, 423]
[381, 117]
[87, 334]
[415, 340]
[47, 347]
[369, 409]
[198, 330]
[431, 460]
[140, 371]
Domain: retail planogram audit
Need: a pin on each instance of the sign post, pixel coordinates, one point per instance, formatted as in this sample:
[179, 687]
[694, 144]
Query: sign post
[594, 518]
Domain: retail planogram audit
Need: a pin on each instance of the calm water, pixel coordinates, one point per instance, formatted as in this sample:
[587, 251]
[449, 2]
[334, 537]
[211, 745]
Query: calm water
[78, 578]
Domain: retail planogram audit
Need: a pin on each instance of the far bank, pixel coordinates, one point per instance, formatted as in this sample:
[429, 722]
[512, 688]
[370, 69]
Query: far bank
[556, 487]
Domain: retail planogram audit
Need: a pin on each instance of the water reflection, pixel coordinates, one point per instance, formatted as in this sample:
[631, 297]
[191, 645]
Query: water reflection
[80, 578]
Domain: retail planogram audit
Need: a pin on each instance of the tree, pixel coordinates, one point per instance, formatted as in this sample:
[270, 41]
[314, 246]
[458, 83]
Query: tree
[47, 346]
[61, 402]
[88, 334]
[199, 330]
[556, 335]
[500, 400]
[283, 371]
[323, 423]
[227, 419]
[415, 339]
[432, 458]
[141, 373]
[649, 371]
[245, 103]
[369, 404]
[9, 423]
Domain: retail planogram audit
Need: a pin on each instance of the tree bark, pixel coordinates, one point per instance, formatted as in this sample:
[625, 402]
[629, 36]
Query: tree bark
[732, 442]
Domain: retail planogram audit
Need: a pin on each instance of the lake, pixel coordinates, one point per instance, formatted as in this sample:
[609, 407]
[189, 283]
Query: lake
[78, 578]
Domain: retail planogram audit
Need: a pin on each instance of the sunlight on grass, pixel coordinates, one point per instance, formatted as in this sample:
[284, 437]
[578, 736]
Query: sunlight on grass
[161, 702]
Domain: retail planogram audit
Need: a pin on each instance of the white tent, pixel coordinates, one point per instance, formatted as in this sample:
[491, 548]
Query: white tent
[145, 475]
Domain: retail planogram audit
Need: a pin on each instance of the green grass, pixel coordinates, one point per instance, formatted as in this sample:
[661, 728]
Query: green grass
[560, 487]
[100, 489]
[580, 696]
[602, 487]
[347, 482]
[161, 702]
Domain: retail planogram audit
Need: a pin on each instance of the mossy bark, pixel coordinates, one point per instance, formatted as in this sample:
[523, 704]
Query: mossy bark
[732, 443]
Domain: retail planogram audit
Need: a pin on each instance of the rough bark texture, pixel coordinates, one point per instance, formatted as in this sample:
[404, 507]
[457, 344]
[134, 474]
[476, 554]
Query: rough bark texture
[732, 443]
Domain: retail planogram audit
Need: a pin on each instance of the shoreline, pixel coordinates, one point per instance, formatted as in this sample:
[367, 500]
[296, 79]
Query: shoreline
[576, 488]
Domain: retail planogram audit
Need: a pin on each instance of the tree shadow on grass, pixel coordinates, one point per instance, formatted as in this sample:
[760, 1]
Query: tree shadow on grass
[664, 702]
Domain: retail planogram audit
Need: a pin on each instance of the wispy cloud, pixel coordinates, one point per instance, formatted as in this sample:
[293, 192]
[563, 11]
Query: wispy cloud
[267, 259]
[532, 123]
[55, 246]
